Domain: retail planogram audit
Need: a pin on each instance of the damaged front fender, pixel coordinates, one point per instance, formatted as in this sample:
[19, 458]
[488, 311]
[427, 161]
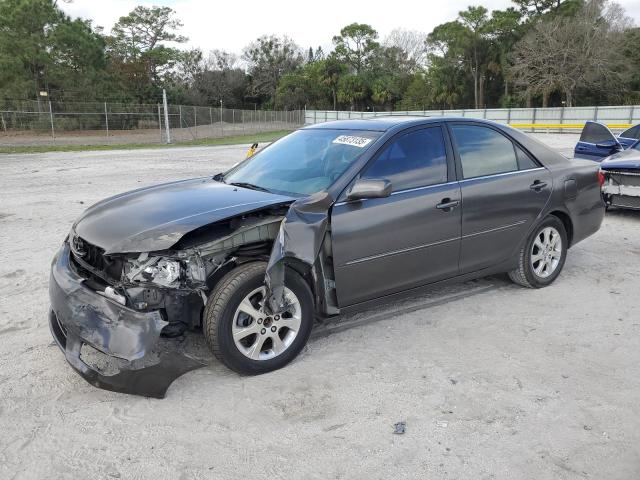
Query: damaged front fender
[300, 239]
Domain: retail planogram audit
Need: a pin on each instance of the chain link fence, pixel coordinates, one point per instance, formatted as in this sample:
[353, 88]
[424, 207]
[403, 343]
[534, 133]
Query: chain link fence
[29, 122]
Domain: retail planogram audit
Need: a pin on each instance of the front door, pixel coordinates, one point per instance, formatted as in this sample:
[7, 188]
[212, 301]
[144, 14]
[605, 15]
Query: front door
[386, 245]
[503, 191]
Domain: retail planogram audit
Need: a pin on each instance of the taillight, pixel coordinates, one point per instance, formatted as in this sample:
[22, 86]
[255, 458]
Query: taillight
[600, 177]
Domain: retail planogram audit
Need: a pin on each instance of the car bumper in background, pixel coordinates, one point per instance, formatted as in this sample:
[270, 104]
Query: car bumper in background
[622, 189]
[81, 318]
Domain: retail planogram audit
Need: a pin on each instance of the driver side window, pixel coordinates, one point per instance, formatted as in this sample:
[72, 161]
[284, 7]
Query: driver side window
[415, 159]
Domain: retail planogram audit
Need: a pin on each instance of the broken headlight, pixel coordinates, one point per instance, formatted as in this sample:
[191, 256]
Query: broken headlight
[158, 270]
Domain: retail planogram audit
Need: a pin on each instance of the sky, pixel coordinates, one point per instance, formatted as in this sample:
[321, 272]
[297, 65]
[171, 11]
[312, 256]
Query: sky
[231, 25]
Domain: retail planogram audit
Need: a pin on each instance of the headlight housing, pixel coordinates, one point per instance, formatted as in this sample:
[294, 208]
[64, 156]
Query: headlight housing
[158, 270]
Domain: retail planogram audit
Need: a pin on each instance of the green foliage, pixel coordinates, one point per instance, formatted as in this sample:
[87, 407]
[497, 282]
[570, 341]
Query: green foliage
[479, 59]
[269, 58]
[355, 46]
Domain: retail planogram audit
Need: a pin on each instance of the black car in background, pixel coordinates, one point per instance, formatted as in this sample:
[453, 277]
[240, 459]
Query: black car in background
[330, 219]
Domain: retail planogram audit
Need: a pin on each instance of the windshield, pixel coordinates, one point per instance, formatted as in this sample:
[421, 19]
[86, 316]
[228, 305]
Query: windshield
[304, 162]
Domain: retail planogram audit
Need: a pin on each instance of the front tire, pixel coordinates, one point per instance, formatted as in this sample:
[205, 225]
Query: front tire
[542, 257]
[239, 332]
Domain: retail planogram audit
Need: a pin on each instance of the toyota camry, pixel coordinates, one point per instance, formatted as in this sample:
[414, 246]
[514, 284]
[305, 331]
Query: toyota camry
[330, 219]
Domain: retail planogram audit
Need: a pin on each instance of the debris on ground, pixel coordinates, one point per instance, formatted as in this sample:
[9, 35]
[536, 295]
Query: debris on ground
[399, 428]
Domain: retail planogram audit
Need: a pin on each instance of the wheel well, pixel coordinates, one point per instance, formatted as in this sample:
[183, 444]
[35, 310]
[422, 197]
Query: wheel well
[566, 221]
[299, 267]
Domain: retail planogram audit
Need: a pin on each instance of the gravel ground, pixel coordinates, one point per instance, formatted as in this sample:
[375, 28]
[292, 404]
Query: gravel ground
[493, 381]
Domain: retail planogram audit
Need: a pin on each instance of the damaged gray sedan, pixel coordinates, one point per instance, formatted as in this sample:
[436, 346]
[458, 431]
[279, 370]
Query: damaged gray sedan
[330, 219]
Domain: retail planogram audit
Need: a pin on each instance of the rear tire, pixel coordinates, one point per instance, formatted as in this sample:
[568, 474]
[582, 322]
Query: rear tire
[542, 257]
[268, 343]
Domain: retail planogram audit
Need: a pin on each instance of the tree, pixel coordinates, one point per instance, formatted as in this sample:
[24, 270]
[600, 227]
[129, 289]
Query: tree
[447, 71]
[269, 58]
[351, 89]
[412, 43]
[504, 29]
[475, 20]
[418, 95]
[138, 50]
[144, 29]
[355, 45]
[536, 8]
[25, 30]
[568, 53]
[330, 72]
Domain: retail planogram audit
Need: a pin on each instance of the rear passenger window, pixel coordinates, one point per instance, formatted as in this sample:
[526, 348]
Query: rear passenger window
[525, 162]
[483, 151]
[415, 159]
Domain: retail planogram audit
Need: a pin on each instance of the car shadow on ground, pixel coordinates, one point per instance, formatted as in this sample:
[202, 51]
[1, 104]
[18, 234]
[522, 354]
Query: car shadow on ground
[193, 343]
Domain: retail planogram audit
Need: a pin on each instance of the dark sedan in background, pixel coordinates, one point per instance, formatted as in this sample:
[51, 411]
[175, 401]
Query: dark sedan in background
[332, 218]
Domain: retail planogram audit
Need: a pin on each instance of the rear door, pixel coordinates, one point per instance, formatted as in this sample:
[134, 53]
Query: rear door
[629, 136]
[503, 189]
[596, 142]
[412, 237]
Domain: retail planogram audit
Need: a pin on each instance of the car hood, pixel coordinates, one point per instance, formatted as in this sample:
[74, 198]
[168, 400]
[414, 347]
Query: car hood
[627, 159]
[155, 218]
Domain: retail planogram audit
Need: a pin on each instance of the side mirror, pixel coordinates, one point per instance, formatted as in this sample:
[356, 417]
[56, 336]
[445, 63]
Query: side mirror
[369, 188]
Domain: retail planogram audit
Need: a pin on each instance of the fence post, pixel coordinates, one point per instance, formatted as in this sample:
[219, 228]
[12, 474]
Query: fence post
[106, 119]
[180, 113]
[160, 122]
[631, 112]
[233, 119]
[508, 115]
[221, 124]
[561, 118]
[166, 115]
[533, 120]
[195, 121]
[53, 132]
[4, 125]
[595, 113]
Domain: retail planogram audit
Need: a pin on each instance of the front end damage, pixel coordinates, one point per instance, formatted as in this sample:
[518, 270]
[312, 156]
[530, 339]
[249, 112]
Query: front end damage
[109, 310]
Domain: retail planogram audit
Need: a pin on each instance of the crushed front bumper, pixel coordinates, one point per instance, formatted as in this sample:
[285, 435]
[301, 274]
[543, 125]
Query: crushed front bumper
[80, 316]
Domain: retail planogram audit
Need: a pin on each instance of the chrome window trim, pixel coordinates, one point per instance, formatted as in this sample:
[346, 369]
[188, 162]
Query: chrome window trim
[503, 174]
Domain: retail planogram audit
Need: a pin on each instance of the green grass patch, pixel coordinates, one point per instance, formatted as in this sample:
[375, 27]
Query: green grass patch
[235, 140]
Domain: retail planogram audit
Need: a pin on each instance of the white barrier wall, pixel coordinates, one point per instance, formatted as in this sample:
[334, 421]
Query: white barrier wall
[617, 117]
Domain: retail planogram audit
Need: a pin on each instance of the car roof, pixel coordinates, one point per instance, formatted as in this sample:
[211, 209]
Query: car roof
[391, 123]
[386, 122]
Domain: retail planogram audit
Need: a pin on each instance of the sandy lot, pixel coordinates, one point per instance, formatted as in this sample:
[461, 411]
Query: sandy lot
[493, 381]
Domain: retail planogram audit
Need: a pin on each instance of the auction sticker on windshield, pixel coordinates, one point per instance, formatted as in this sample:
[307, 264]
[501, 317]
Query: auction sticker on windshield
[354, 141]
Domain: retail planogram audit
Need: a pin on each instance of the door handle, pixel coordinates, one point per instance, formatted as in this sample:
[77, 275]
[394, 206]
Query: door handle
[537, 185]
[447, 204]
